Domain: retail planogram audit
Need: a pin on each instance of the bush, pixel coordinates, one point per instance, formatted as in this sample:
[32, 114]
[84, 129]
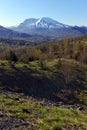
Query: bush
[42, 64]
[31, 58]
[76, 55]
[58, 64]
[13, 57]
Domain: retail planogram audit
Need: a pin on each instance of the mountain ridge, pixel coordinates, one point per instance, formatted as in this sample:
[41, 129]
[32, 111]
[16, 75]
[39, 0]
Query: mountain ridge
[44, 27]
[8, 33]
[49, 27]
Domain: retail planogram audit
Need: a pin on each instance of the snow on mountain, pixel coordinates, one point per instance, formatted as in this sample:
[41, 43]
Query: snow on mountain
[49, 23]
[28, 23]
[48, 27]
[44, 22]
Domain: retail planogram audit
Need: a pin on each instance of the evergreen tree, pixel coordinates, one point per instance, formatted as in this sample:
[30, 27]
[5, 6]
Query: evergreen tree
[58, 65]
[13, 57]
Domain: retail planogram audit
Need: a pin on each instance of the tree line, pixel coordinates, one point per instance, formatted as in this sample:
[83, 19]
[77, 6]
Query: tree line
[71, 48]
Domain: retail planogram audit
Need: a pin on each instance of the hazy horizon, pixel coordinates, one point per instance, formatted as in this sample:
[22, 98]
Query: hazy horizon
[70, 12]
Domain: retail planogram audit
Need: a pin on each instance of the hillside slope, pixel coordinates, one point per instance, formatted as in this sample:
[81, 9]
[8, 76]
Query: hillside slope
[36, 99]
[7, 33]
[45, 84]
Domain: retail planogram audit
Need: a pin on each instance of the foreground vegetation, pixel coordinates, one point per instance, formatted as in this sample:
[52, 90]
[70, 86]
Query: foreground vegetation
[45, 89]
[52, 78]
[40, 114]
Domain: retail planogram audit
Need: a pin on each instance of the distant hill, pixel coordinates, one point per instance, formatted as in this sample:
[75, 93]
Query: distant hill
[7, 33]
[82, 29]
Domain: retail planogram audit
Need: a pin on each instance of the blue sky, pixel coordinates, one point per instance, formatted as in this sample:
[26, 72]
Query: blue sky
[71, 12]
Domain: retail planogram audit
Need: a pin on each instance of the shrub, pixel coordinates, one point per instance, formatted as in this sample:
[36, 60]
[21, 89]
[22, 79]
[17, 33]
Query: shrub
[31, 58]
[42, 64]
[13, 57]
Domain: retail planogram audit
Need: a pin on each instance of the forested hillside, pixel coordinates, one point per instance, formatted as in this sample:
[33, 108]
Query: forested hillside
[44, 83]
[72, 48]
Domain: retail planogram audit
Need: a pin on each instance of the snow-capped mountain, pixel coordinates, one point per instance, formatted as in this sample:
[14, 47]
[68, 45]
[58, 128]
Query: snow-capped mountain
[44, 22]
[48, 27]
